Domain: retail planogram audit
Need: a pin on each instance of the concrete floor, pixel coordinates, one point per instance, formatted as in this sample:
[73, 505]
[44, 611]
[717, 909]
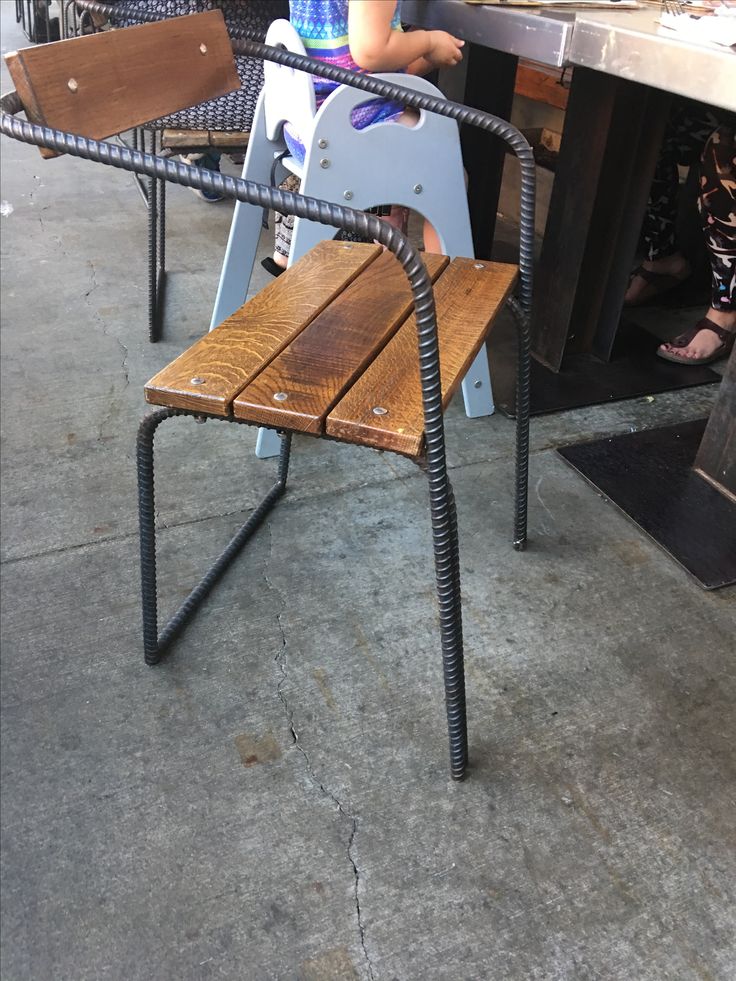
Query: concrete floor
[273, 801]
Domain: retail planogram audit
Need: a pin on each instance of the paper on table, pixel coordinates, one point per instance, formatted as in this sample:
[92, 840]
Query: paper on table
[716, 28]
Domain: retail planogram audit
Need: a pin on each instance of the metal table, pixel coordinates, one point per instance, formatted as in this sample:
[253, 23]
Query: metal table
[632, 45]
[539, 35]
[627, 69]
[678, 483]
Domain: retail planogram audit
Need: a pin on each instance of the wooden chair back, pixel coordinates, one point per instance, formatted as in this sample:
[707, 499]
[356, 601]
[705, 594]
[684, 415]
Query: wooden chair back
[102, 84]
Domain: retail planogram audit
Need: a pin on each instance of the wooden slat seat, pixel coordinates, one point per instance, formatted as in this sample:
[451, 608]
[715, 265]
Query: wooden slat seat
[330, 347]
[468, 295]
[332, 352]
[210, 374]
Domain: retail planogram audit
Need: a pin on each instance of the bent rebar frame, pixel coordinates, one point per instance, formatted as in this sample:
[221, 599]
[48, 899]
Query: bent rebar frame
[442, 503]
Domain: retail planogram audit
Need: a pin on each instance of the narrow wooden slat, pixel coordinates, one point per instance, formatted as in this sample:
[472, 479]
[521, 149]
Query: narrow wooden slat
[327, 356]
[468, 296]
[229, 357]
[229, 138]
[179, 139]
[105, 83]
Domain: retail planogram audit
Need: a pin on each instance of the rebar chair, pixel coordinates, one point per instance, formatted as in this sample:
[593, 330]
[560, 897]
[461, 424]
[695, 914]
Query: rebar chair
[342, 164]
[39, 19]
[223, 122]
[338, 347]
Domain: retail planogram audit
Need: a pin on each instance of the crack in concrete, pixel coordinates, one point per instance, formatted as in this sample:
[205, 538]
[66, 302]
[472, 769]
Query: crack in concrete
[123, 537]
[113, 406]
[281, 660]
[93, 279]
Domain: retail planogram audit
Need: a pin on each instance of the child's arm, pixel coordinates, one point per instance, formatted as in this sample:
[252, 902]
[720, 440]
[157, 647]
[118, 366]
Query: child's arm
[377, 48]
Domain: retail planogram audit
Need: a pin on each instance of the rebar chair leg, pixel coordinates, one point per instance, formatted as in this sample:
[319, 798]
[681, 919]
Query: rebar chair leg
[442, 505]
[156, 201]
[447, 571]
[156, 645]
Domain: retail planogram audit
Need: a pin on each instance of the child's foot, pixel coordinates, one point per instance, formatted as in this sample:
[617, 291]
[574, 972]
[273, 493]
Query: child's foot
[207, 161]
[656, 276]
[273, 265]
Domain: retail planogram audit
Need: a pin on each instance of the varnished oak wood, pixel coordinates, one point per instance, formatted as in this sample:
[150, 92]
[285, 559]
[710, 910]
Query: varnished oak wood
[229, 357]
[328, 355]
[467, 299]
[105, 83]
[226, 139]
[541, 84]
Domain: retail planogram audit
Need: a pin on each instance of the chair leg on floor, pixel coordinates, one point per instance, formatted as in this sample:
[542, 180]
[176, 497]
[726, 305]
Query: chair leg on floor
[161, 258]
[155, 645]
[523, 399]
[153, 331]
[447, 569]
[156, 201]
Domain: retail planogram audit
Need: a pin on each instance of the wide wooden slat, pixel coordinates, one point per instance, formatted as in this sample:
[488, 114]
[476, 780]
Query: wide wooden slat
[211, 373]
[105, 83]
[302, 384]
[542, 84]
[468, 295]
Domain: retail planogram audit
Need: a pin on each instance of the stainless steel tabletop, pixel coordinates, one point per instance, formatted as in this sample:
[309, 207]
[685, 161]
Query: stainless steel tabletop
[632, 44]
[534, 34]
[626, 43]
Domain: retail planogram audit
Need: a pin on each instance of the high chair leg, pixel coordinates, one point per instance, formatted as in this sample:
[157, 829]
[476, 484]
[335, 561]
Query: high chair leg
[155, 645]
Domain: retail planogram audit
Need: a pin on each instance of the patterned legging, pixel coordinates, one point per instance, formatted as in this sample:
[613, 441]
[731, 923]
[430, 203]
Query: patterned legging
[694, 132]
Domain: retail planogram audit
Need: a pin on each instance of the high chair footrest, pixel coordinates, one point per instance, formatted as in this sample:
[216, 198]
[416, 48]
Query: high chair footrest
[330, 347]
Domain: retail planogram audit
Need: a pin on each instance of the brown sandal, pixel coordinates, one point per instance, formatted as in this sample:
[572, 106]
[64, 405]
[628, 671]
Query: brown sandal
[657, 283]
[726, 337]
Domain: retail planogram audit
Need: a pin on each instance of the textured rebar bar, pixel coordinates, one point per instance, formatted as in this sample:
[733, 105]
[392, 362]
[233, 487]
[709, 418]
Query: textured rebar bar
[454, 664]
[155, 646]
[110, 9]
[153, 331]
[523, 406]
[162, 228]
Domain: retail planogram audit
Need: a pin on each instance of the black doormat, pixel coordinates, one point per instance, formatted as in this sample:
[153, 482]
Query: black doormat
[649, 476]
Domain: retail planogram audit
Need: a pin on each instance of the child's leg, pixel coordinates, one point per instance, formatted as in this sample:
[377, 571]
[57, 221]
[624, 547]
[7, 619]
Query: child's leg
[283, 230]
[410, 117]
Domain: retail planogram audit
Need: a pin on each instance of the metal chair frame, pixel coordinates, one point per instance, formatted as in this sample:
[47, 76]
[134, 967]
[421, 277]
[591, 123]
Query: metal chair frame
[442, 503]
[77, 14]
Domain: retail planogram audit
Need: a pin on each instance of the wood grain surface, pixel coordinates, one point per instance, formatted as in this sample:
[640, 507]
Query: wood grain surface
[178, 139]
[304, 382]
[227, 359]
[105, 83]
[468, 295]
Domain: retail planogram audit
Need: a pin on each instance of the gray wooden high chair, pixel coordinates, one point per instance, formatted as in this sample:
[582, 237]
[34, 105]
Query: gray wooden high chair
[417, 167]
[352, 344]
